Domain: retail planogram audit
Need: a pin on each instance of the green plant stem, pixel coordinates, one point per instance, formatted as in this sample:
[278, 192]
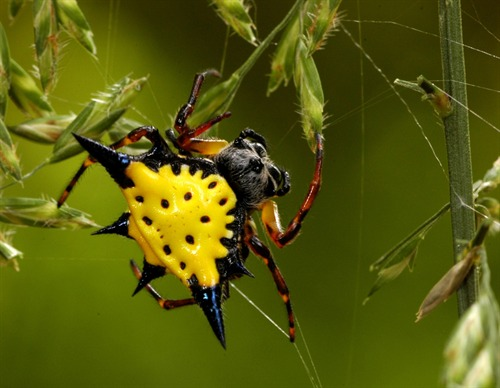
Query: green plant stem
[242, 71]
[457, 141]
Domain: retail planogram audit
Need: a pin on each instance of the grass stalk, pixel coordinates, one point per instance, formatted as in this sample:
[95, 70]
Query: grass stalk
[456, 127]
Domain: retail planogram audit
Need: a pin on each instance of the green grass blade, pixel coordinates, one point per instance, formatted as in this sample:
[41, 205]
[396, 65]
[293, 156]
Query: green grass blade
[98, 116]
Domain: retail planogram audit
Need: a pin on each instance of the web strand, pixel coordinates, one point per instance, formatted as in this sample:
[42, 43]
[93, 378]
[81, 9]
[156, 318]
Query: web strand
[313, 375]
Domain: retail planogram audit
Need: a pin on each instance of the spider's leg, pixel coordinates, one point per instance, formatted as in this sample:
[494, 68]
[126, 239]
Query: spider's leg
[270, 214]
[261, 250]
[207, 298]
[86, 163]
[151, 133]
[188, 108]
[187, 135]
[166, 304]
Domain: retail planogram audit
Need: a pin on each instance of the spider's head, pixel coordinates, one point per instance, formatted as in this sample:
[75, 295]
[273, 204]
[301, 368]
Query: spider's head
[247, 168]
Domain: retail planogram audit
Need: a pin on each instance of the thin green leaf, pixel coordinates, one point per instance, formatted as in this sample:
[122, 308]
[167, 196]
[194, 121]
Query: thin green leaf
[403, 253]
[405, 259]
[98, 116]
[77, 124]
[72, 147]
[4, 71]
[42, 213]
[72, 19]
[25, 94]
[418, 234]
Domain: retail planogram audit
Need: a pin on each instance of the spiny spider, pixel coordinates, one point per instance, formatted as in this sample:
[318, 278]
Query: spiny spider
[190, 207]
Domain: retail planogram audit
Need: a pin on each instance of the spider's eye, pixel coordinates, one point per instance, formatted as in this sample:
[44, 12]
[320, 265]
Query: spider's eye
[278, 182]
[256, 165]
[259, 149]
[275, 173]
[275, 180]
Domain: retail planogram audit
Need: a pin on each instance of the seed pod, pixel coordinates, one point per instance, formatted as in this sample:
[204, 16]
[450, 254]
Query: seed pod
[9, 161]
[42, 213]
[45, 130]
[439, 100]
[72, 19]
[25, 94]
[472, 355]
[283, 63]
[46, 42]
[235, 14]
[310, 93]
[449, 283]
[321, 18]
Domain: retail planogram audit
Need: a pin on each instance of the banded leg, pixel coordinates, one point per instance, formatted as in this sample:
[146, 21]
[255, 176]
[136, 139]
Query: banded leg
[187, 136]
[270, 214]
[166, 304]
[260, 249]
[150, 133]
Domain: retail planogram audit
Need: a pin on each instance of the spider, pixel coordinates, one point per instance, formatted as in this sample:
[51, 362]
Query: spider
[190, 207]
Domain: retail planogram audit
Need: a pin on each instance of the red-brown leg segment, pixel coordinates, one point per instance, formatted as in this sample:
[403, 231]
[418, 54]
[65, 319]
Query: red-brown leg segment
[187, 134]
[259, 249]
[164, 303]
[270, 214]
[86, 163]
[151, 133]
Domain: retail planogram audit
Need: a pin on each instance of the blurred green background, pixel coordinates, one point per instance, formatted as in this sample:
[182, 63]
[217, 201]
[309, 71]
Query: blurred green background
[67, 318]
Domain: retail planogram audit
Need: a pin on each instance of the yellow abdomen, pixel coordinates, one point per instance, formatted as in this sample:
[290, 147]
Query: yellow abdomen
[179, 219]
